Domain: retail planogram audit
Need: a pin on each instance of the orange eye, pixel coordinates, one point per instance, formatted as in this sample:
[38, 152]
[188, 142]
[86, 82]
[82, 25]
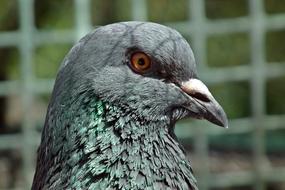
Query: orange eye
[140, 62]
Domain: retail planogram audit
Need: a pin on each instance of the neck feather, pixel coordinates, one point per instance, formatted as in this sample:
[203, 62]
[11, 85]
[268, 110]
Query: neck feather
[107, 147]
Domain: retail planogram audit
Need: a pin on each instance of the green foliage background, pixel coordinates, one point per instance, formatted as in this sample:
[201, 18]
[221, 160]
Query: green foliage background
[223, 51]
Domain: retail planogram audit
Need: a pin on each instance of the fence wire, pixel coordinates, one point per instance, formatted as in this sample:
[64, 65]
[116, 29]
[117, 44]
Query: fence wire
[256, 24]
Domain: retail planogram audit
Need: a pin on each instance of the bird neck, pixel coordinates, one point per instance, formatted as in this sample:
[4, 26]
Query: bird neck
[106, 146]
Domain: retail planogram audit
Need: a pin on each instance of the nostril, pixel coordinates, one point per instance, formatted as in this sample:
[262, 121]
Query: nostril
[200, 96]
[196, 89]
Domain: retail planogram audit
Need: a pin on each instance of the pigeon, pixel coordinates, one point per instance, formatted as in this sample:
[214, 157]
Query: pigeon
[111, 117]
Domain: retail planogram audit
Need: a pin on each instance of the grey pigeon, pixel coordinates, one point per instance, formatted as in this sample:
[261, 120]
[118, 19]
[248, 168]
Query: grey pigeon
[110, 121]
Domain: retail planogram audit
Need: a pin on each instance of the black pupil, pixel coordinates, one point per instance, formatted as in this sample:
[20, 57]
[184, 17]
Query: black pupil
[141, 61]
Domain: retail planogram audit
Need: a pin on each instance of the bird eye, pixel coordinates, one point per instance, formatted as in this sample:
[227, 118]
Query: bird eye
[140, 62]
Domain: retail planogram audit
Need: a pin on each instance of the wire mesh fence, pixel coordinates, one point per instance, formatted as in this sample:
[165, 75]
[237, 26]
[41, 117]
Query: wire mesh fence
[195, 25]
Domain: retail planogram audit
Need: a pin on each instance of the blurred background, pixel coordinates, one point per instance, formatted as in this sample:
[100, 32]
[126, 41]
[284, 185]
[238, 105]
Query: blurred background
[240, 51]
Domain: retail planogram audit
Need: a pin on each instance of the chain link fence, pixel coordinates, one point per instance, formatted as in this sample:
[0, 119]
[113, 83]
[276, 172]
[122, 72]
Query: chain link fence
[256, 72]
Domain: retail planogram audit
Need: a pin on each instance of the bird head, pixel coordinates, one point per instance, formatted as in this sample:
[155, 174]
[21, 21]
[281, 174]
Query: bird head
[147, 68]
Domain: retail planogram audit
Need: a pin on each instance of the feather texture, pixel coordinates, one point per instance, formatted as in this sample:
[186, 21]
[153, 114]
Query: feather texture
[106, 147]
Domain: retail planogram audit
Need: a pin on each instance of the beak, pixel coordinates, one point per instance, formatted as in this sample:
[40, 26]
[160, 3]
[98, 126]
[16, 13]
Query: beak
[202, 103]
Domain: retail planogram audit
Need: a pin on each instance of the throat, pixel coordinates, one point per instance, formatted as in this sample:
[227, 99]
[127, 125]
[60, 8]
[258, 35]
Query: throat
[110, 147]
